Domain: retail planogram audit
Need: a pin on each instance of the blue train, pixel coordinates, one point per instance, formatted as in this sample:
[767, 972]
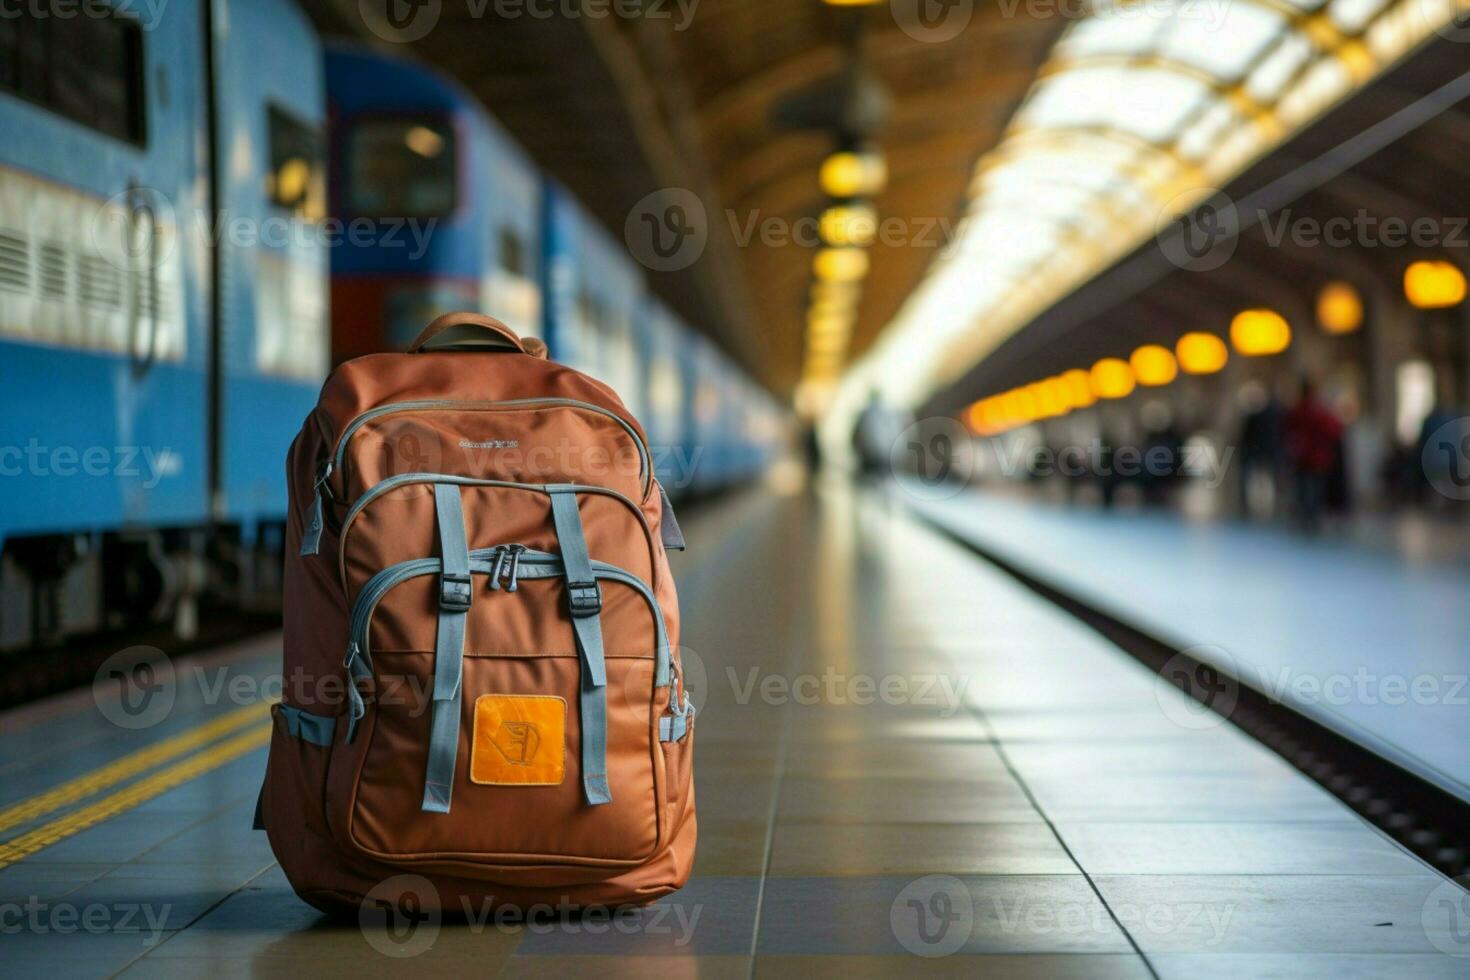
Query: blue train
[186, 246]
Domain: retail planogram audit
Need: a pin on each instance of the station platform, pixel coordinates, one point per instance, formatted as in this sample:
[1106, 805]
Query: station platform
[1364, 631]
[907, 763]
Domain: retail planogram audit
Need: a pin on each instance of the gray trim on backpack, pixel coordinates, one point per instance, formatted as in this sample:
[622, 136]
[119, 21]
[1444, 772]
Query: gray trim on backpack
[584, 601]
[455, 590]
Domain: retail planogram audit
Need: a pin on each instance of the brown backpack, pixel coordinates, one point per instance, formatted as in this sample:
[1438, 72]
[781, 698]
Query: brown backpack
[482, 693]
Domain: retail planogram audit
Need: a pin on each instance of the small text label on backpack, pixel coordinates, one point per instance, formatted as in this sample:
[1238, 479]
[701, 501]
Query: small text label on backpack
[490, 444]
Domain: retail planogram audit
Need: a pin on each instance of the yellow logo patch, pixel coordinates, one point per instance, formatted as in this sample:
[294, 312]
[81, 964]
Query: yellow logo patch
[519, 740]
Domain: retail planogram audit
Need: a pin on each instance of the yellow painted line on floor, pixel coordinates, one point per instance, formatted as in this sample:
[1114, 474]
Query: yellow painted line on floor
[130, 796]
[119, 770]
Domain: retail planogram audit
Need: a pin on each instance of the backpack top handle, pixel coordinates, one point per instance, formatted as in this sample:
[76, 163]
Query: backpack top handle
[473, 332]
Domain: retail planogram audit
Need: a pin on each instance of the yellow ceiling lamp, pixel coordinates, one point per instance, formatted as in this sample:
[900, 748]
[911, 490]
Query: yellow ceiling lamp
[1260, 332]
[840, 265]
[1339, 308]
[1201, 353]
[854, 173]
[845, 225]
[1056, 397]
[987, 417]
[1434, 284]
[1153, 365]
[1079, 388]
[1112, 377]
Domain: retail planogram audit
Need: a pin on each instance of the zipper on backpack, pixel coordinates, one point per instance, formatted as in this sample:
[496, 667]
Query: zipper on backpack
[507, 566]
[645, 467]
[311, 537]
[538, 564]
[402, 479]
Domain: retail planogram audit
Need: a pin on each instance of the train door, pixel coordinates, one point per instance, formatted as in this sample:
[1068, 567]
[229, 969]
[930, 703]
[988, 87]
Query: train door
[270, 253]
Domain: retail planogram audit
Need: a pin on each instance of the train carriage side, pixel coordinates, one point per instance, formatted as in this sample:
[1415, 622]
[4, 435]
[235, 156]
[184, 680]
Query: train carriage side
[104, 345]
[131, 464]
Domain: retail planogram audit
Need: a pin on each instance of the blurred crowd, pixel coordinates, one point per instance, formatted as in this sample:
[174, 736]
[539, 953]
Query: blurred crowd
[1298, 456]
[1281, 452]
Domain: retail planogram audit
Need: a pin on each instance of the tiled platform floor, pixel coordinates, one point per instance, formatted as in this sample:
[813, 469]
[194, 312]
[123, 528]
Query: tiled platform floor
[1367, 638]
[906, 764]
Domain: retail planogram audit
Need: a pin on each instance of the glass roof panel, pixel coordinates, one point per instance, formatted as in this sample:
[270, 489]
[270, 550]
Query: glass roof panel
[1149, 103]
[1269, 78]
[1141, 107]
[1108, 34]
[1224, 50]
[1203, 134]
[1352, 16]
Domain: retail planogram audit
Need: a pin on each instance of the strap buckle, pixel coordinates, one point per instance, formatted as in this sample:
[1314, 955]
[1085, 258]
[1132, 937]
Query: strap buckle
[585, 598]
[454, 592]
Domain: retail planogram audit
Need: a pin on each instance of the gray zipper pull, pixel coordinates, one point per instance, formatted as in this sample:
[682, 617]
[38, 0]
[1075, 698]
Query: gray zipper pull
[515, 565]
[311, 538]
[499, 567]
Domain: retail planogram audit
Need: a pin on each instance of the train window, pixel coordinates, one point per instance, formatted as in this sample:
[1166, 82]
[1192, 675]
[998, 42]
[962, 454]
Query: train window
[89, 69]
[295, 179]
[401, 168]
[513, 253]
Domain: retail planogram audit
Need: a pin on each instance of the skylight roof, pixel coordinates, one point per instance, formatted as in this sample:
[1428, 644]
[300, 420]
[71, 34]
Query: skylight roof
[1141, 110]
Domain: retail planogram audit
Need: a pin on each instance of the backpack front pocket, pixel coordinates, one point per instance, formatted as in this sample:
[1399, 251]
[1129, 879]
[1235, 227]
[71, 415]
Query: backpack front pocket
[518, 790]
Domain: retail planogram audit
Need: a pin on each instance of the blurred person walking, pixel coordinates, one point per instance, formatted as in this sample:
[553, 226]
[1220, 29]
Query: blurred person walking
[1260, 450]
[1314, 448]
